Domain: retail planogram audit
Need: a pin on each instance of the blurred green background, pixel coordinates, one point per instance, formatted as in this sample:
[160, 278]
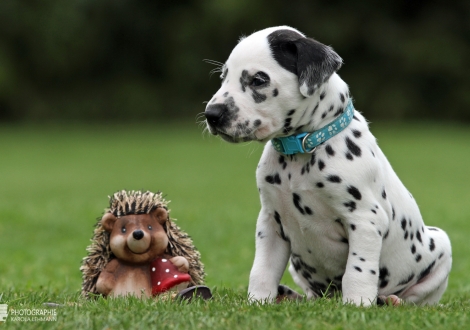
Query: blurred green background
[116, 86]
[132, 60]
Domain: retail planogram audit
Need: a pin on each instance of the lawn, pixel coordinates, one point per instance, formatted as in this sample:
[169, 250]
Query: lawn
[55, 181]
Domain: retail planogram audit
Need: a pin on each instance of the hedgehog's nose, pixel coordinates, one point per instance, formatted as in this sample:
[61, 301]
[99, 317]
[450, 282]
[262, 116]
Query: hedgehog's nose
[138, 234]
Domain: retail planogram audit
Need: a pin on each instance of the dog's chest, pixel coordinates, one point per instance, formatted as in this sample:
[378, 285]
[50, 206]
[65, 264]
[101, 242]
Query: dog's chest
[306, 214]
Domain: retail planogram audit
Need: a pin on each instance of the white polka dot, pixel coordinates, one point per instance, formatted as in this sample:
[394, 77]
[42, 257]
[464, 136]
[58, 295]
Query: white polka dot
[164, 260]
[176, 276]
[153, 269]
[159, 283]
[167, 270]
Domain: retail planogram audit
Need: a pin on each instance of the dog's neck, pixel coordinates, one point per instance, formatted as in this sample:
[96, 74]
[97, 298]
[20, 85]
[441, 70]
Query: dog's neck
[324, 106]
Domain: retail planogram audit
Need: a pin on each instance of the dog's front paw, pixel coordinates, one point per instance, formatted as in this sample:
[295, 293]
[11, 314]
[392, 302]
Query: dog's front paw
[259, 295]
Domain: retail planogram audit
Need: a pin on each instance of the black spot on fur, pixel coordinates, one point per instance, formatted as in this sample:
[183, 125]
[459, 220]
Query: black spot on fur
[413, 249]
[322, 95]
[296, 199]
[308, 210]
[362, 259]
[349, 156]
[291, 112]
[386, 234]
[320, 185]
[329, 150]
[383, 277]
[312, 160]
[432, 246]
[393, 213]
[244, 80]
[418, 236]
[374, 211]
[282, 161]
[384, 194]
[418, 258]
[260, 234]
[277, 218]
[354, 192]
[299, 264]
[353, 227]
[338, 112]
[306, 274]
[334, 178]
[275, 92]
[344, 240]
[407, 280]
[354, 117]
[406, 235]
[318, 288]
[358, 269]
[353, 148]
[321, 165]
[426, 272]
[323, 115]
[373, 272]
[403, 223]
[257, 123]
[273, 179]
[356, 133]
[341, 96]
[350, 205]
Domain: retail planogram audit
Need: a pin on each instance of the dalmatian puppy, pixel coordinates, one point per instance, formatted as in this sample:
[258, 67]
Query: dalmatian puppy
[338, 211]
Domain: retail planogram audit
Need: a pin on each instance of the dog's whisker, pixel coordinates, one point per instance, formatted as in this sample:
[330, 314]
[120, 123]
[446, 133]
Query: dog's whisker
[213, 62]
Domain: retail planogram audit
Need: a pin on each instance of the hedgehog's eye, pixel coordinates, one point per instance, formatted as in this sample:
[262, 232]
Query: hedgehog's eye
[150, 227]
[123, 229]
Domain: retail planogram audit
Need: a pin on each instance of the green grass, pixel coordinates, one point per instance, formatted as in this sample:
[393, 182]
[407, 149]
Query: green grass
[54, 183]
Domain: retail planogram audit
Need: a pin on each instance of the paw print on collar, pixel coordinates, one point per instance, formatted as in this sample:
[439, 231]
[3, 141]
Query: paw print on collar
[332, 129]
[320, 137]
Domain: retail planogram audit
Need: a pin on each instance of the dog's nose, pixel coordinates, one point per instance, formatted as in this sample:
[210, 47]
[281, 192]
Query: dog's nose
[138, 234]
[214, 113]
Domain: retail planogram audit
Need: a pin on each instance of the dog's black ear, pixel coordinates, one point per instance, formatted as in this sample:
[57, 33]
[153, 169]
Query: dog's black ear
[312, 61]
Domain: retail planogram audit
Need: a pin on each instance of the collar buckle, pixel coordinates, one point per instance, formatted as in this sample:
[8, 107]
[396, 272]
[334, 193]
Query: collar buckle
[300, 143]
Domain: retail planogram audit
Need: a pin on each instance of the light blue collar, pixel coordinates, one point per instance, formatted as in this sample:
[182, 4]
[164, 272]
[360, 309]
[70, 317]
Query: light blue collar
[308, 142]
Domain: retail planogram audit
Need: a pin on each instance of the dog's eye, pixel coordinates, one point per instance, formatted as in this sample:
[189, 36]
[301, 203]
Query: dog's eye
[123, 229]
[260, 79]
[150, 227]
[257, 81]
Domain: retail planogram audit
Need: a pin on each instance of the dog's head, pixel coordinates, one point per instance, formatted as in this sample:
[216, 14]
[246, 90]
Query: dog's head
[268, 75]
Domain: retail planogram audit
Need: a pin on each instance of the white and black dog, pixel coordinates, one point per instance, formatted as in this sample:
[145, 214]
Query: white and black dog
[338, 211]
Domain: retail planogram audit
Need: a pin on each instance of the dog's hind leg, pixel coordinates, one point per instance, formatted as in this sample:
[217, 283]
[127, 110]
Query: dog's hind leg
[432, 281]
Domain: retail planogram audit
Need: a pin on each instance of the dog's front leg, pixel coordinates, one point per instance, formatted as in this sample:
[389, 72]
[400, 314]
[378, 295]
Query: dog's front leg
[360, 280]
[272, 254]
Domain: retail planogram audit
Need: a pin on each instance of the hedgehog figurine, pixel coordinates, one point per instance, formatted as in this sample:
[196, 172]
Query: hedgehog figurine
[137, 250]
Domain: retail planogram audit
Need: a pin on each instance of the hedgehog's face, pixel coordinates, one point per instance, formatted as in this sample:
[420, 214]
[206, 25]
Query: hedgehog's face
[137, 238]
